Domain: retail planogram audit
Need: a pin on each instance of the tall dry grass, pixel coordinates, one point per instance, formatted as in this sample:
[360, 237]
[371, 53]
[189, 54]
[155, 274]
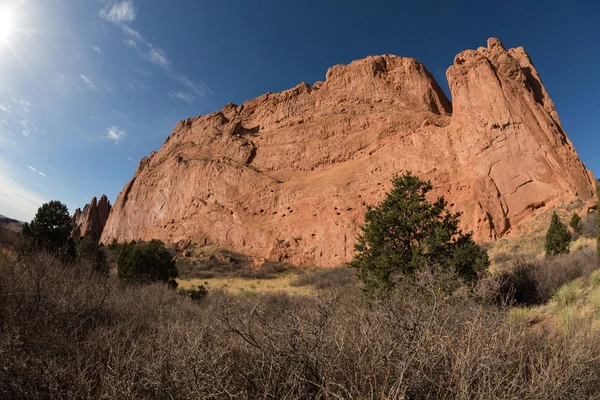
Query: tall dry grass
[66, 332]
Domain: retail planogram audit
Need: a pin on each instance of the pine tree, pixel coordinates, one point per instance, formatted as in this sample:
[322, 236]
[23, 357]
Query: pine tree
[575, 223]
[558, 238]
[50, 229]
[406, 233]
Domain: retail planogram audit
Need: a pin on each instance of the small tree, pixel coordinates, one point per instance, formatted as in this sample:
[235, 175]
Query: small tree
[576, 223]
[146, 262]
[406, 233]
[558, 238]
[89, 251]
[51, 227]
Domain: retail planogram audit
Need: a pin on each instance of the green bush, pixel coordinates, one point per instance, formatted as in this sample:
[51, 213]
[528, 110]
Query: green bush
[146, 262]
[406, 233]
[558, 238]
[88, 250]
[576, 223]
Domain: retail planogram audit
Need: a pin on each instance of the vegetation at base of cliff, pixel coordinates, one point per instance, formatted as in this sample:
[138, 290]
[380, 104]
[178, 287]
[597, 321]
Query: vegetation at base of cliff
[67, 331]
[558, 238]
[576, 223]
[146, 262]
[406, 234]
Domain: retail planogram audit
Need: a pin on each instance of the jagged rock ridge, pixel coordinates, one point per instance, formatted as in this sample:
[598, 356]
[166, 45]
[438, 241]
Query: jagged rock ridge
[287, 175]
[91, 221]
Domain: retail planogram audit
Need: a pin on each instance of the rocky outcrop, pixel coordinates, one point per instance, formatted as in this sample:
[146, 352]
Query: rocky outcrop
[91, 221]
[287, 175]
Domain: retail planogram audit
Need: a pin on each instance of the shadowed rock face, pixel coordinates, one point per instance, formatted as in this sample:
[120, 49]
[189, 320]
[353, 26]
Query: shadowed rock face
[287, 175]
[91, 221]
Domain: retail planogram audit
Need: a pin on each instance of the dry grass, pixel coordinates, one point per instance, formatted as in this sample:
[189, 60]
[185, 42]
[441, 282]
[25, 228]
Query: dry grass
[526, 242]
[567, 295]
[583, 243]
[595, 278]
[241, 286]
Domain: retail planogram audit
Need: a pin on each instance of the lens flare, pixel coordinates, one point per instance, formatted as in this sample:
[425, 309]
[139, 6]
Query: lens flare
[6, 23]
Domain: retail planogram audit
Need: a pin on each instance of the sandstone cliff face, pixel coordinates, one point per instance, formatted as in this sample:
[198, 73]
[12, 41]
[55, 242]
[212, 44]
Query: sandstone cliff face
[287, 175]
[91, 221]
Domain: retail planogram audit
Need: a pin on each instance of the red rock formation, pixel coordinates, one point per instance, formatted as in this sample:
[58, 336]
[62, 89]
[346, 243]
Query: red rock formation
[91, 221]
[287, 175]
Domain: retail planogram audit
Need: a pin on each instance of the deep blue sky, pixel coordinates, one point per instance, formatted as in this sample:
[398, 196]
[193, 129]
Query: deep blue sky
[88, 87]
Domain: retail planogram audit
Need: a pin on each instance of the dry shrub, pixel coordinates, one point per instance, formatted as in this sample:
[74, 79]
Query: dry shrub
[327, 278]
[67, 333]
[589, 227]
[536, 281]
[228, 264]
[10, 235]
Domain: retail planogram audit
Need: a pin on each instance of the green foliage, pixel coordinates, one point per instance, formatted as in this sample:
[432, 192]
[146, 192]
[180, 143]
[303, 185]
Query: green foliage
[146, 262]
[197, 293]
[576, 223]
[406, 233]
[89, 251]
[558, 238]
[50, 229]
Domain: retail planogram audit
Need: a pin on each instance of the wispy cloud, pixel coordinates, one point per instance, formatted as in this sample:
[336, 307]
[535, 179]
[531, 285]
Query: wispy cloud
[26, 128]
[96, 49]
[132, 32]
[88, 81]
[15, 200]
[199, 88]
[182, 96]
[31, 168]
[130, 43]
[25, 106]
[115, 133]
[42, 174]
[157, 56]
[122, 12]
[136, 85]
[16, 116]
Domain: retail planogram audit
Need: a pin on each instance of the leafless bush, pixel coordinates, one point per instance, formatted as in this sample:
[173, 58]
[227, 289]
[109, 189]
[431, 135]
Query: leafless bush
[535, 281]
[327, 278]
[67, 333]
[228, 264]
[589, 226]
[10, 236]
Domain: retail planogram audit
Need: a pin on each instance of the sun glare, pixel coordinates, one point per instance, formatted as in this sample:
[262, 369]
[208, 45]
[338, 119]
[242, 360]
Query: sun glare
[6, 23]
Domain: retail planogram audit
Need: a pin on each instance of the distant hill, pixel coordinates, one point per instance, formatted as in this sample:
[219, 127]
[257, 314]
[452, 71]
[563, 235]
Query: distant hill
[7, 220]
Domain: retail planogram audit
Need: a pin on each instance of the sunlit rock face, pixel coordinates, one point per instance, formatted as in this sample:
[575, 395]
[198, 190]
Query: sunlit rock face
[91, 221]
[287, 176]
